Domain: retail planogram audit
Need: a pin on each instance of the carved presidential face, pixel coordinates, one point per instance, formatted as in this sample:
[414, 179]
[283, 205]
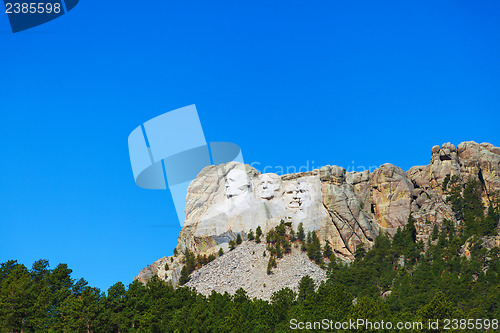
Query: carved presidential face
[291, 195]
[305, 195]
[237, 183]
[268, 186]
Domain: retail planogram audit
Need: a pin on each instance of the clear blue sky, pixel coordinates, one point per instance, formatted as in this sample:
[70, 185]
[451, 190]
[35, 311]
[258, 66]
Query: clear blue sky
[289, 81]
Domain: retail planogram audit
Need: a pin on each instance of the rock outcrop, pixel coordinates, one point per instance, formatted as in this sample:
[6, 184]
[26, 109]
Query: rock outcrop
[468, 160]
[345, 209]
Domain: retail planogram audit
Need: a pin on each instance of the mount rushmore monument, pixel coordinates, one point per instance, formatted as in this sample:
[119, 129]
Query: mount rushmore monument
[233, 198]
[345, 209]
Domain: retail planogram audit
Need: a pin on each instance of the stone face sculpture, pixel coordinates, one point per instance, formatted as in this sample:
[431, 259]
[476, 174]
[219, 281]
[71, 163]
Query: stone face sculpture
[233, 206]
[291, 196]
[298, 195]
[268, 186]
[237, 183]
[306, 194]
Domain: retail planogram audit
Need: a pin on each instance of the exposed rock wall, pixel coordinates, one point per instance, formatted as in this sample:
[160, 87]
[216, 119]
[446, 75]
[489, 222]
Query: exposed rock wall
[391, 193]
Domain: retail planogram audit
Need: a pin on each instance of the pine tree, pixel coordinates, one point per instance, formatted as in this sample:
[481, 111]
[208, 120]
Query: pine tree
[190, 261]
[473, 207]
[444, 186]
[490, 224]
[306, 287]
[314, 248]
[258, 231]
[281, 229]
[271, 263]
[184, 276]
[231, 245]
[279, 252]
[309, 237]
[238, 239]
[221, 251]
[398, 241]
[410, 228]
[438, 308]
[435, 232]
[271, 237]
[327, 250]
[454, 191]
[300, 232]
[251, 235]
[360, 252]
[287, 247]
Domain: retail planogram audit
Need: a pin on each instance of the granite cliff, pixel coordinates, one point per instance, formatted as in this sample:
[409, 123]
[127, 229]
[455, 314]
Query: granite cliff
[345, 209]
